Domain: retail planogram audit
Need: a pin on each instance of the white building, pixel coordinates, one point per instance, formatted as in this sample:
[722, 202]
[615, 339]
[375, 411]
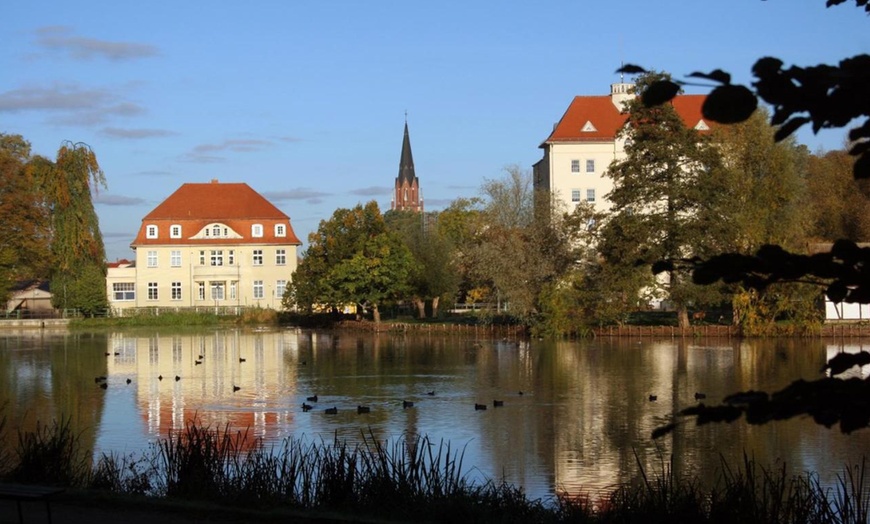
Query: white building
[584, 142]
[208, 244]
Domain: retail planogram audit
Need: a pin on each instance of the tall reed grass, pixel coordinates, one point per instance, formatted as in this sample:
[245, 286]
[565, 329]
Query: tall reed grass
[416, 479]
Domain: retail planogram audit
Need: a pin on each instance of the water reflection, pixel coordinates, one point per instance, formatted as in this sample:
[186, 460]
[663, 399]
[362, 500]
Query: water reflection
[576, 415]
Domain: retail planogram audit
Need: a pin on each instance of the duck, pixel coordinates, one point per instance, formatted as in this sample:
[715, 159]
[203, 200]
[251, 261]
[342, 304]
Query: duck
[104, 385]
[177, 378]
[497, 403]
[97, 380]
[431, 393]
[407, 404]
[332, 411]
[197, 362]
[236, 388]
[363, 409]
[480, 407]
[201, 357]
[159, 377]
[129, 381]
[700, 396]
[306, 407]
[653, 398]
[241, 360]
[312, 398]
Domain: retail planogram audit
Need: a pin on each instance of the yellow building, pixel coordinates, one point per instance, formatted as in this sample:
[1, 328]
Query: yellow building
[208, 244]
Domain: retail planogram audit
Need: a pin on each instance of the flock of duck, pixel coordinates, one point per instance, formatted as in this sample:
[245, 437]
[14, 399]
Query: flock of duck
[306, 407]
[102, 380]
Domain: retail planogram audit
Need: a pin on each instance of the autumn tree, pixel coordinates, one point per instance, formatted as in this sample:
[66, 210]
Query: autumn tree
[25, 235]
[78, 253]
[352, 259]
[840, 207]
[660, 188]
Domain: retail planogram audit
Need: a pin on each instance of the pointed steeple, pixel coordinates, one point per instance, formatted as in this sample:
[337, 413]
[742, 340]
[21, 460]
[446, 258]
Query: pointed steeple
[406, 162]
[407, 191]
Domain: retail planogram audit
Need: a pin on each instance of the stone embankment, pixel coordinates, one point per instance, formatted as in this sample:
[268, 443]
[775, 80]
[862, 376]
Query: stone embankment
[34, 323]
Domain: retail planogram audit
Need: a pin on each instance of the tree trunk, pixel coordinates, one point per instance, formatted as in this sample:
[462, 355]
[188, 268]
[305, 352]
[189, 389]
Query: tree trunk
[683, 317]
[376, 314]
[435, 307]
[421, 308]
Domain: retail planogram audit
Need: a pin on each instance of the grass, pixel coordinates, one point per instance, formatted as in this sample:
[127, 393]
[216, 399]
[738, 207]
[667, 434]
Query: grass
[413, 480]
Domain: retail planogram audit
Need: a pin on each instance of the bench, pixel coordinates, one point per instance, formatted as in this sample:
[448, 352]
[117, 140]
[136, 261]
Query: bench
[20, 493]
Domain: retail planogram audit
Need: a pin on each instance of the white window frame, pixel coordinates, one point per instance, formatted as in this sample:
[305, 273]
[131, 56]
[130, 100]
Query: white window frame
[257, 230]
[590, 195]
[153, 291]
[218, 290]
[201, 257]
[280, 287]
[575, 165]
[151, 231]
[281, 257]
[216, 231]
[123, 291]
[590, 165]
[175, 258]
[231, 257]
[200, 290]
[232, 289]
[175, 231]
[280, 230]
[176, 291]
[258, 289]
[152, 258]
[575, 195]
[216, 257]
[257, 257]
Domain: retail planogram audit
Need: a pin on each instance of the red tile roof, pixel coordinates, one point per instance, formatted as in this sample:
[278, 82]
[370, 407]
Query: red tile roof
[603, 115]
[193, 206]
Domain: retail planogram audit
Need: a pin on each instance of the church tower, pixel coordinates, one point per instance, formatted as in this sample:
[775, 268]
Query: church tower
[406, 196]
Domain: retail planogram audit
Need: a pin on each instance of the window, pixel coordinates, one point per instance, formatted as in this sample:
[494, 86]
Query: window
[176, 291]
[258, 257]
[280, 286]
[280, 257]
[152, 259]
[590, 195]
[231, 257]
[175, 231]
[216, 231]
[217, 257]
[575, 195]
[258, 289]
[233, 290]
[200, 290]
[590, 166]
[575, 166]
[122, 291]
[202, 258]
[152, 290]
[257, 230]
[280, 230]
[175, 258]
[217, 290]
[151, 232]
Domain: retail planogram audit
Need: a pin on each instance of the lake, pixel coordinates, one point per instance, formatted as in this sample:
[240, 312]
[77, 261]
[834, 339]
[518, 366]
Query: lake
[576, 415]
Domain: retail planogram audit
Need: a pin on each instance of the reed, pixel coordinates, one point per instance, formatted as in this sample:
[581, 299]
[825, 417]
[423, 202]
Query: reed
[418, 479]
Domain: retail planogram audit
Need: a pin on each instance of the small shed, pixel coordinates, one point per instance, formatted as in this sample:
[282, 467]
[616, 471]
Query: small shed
[30, 297]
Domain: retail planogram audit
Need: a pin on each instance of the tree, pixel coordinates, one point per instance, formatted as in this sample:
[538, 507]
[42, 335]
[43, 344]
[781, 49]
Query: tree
[827, 97]
[659, 191]
[351, 258]
[840, 207]
[25, 235]
[434, 274]
[77, 247]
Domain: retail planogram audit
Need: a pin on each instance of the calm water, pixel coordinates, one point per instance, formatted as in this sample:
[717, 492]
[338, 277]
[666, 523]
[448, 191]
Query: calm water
[581, 424]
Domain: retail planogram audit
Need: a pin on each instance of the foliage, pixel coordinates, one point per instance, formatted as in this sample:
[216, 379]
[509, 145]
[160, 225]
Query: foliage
[351, 259]
[25, 235]
[840, 207]
[662, 193]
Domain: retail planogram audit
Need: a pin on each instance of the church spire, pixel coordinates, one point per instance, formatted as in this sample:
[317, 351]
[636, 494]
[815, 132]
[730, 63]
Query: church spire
[407, 194]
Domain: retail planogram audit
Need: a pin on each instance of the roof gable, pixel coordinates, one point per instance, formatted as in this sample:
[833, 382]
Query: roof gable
[215, 200]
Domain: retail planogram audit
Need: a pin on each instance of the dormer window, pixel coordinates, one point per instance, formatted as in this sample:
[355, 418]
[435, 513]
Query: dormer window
[257, 230]
[280, 230]
[216, 231]
[175, 231]
[151, 232]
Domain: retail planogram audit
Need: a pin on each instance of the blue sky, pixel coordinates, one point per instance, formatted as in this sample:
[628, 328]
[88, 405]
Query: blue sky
[305, 100]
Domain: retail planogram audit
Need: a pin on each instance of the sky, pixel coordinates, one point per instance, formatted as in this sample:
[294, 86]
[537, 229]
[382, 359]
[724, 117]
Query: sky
[305, 101]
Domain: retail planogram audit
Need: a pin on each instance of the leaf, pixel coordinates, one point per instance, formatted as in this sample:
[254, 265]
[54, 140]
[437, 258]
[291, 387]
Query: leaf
[664, 430]
[861, 169]
[631, 69]
[789, 127]
[717, 76]
[661, 266]
[729, 104]
[836, 292]
[659, 92]
[842, 362]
